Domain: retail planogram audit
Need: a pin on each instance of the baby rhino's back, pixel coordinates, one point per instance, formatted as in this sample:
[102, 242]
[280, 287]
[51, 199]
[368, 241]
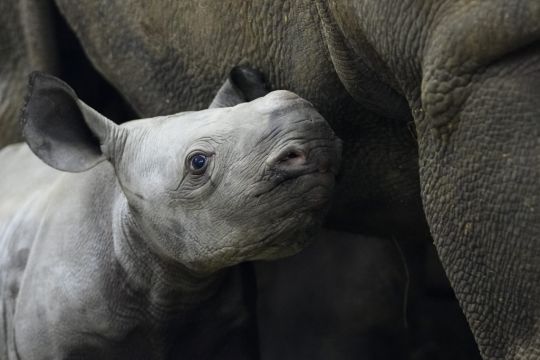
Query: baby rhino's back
[24, 184]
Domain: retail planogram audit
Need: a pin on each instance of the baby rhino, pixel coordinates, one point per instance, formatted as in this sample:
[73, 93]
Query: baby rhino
[127, 251]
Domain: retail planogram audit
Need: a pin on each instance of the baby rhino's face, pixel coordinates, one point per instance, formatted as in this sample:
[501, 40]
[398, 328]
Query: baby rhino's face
[217, 187]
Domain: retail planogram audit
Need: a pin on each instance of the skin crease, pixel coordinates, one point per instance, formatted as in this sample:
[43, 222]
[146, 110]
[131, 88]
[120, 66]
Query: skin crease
[127, 257]
[467, 71]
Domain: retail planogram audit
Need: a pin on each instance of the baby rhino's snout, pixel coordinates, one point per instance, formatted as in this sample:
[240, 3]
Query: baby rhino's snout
[309, 145]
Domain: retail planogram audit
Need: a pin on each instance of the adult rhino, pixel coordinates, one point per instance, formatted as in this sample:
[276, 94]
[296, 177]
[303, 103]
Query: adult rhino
[128, 252]
[438, 99]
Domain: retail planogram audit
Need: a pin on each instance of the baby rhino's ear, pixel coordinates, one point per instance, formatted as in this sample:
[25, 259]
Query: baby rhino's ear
[60, 129]
[244, 84]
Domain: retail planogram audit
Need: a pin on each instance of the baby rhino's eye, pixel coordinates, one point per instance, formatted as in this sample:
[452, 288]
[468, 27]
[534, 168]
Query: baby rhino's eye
[198, 163]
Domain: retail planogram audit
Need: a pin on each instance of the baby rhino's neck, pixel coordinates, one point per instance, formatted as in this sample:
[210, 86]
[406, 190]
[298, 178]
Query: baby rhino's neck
[164, 286]
[161, 309]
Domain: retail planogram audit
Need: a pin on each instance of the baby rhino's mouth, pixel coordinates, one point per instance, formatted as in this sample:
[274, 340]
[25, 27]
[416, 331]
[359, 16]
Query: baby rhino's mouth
[314, 185]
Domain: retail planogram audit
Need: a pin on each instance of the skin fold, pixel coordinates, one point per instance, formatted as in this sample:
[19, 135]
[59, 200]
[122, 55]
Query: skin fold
[128, 252]
[436, 102]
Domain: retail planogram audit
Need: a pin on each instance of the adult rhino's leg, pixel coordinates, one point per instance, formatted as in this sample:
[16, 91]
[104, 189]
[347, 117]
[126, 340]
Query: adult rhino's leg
[479, 144]
[470, 72]
[26, 44]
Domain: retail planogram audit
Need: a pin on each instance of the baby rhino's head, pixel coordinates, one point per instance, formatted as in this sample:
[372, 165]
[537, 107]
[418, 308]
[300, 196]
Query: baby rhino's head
[210, 188]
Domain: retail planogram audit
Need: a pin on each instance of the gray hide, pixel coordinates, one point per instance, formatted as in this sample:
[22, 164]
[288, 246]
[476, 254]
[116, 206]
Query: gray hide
[126, 258]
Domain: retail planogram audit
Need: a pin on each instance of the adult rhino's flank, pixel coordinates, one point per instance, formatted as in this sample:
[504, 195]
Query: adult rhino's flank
[114, 259]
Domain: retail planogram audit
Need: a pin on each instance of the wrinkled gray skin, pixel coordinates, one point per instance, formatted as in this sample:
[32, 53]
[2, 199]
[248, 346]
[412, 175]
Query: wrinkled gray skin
[123, 254]
[436, 99]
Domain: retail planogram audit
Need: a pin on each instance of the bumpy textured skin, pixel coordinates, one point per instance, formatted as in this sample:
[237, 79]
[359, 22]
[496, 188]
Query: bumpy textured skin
[132, 257]
[470, 71]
